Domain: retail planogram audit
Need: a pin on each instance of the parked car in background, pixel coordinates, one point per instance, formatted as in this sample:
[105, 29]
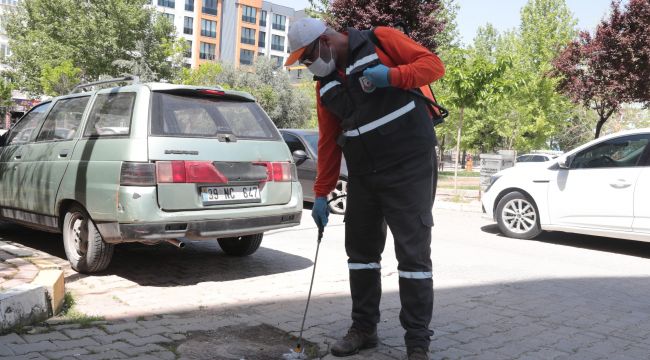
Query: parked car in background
[601, 188]
[534, 158]
[148, 163]
[303, 145]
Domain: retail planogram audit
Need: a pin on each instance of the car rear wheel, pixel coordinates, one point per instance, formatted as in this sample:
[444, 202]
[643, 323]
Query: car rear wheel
[517, 216]
[242, 245]
[86, 250]
[337, 199]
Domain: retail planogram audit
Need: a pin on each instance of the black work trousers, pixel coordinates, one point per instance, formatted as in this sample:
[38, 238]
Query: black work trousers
[402, 198]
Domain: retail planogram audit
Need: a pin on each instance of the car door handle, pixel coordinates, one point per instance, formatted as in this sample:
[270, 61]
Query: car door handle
[64, 153]
[18, 156]
[620, 184]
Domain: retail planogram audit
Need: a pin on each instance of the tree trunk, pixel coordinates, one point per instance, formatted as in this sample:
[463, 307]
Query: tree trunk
[458, 137]
[599, 126]
[441, 148]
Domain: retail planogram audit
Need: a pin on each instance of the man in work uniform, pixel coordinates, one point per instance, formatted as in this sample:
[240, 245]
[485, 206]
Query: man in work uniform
[387, 137]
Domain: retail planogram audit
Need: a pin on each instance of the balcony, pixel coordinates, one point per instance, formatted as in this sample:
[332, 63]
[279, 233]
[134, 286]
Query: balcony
[188, 31]
[263, 23]
[206, 56]
[277, 47]
[280, 27]
[248, 19]
[210, 34]
[261, 44]
[249, 41]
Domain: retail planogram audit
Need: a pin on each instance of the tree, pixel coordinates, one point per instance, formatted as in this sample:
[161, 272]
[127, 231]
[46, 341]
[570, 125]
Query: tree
[61, 79]
[6, 99]
[611, 67]
[420, 16]
[92, 34]
[473, 81]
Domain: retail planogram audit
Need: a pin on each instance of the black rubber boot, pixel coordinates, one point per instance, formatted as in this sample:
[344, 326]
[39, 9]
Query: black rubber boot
[354, 341]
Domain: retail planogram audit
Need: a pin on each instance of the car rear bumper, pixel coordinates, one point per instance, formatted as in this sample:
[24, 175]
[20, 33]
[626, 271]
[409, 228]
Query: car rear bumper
[195, 230]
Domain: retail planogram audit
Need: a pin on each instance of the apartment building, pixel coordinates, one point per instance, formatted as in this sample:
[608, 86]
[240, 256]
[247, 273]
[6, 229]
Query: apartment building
[4, 41]
[234, 31]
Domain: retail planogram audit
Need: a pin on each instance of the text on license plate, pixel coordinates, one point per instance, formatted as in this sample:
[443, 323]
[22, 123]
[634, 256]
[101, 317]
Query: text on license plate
[227, 194]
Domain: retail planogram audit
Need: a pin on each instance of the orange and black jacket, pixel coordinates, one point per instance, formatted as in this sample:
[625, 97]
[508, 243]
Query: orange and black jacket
[411, 66]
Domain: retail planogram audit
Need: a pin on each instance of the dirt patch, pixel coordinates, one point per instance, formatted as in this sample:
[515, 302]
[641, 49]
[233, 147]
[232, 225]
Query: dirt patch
[262, 342]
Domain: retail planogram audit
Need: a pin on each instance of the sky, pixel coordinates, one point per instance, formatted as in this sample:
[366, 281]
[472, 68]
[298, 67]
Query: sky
[503, 14]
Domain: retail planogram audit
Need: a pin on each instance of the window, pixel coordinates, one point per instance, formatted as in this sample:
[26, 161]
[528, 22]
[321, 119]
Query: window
[167, 3]
[64, 119]
[248, 36]
[262, 40]
[208, 28]
[188, 50]
[188, 25]
[278, 60]
[207, 51]
[169, 17]
[248, 14]
[620, 152]
[263, 18]
[293, 143]
[24, 129]
[175, 115]
[246, 57]
[189, 5]
[277, 42]
[110, 115]
[210, 7]
[279, 22]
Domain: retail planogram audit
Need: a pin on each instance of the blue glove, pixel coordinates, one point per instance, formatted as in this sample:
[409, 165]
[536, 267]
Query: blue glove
[320, 212]
[378, 75]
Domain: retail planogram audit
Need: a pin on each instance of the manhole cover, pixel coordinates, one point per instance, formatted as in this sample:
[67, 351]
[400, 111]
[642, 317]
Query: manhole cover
[262, 342]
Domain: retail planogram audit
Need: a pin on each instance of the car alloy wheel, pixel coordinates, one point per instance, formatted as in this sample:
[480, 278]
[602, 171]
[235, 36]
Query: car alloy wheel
[337, 199]
[519, 216]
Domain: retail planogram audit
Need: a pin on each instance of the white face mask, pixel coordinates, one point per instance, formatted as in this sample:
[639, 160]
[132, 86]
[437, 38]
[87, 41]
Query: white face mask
[321, 68]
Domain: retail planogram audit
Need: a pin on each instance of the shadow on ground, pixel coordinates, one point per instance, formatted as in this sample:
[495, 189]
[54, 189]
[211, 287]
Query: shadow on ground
[617, 246]
[165, 265]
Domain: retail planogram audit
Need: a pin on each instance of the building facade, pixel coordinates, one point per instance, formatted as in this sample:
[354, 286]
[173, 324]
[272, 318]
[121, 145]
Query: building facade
[234, 31]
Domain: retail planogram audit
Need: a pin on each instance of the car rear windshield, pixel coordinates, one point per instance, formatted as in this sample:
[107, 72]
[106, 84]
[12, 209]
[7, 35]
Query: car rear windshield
[196, 116]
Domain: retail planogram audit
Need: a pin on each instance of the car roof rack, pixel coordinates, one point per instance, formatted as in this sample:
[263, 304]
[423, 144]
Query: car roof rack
[132, 78]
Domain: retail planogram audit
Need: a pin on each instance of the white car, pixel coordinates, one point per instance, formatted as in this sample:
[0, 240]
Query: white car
[601, 188]
[534, 158]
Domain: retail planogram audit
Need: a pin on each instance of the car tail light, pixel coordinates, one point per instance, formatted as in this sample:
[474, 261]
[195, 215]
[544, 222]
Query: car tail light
[188, 172]
[280, 171]
[138, 174]
[212, 92]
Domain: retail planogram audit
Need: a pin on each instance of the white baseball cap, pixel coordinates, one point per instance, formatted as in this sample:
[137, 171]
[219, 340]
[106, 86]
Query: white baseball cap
[302, 33]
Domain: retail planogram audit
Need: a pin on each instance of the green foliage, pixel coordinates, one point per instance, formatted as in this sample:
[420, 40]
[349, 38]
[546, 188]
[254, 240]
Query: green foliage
[5, 93]
[59, 80]
[517, 104]
[204, 75]
[93, 34]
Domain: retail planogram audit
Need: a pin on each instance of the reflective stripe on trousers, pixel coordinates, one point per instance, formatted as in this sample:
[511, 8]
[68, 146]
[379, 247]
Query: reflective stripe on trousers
[358, 266]
[415, 275]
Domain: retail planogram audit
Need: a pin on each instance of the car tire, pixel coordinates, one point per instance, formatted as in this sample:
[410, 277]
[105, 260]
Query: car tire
[517, 216]
[86, 250]
[242, 245]
[339, 193]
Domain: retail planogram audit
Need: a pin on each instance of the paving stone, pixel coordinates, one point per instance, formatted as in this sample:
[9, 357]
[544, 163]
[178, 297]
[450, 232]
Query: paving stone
[137, 350]
[12, 338]
[66, 353]
[5, 351]
[112, 354]
[83, 342]
[54, 335]
[151, 331]
[116, 328]
[20, 349]
[107, 339]
[148, 340]
[30, 356]
[80, 333]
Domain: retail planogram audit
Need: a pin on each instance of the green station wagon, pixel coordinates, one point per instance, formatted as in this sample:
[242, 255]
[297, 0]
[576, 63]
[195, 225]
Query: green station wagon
[148, 163]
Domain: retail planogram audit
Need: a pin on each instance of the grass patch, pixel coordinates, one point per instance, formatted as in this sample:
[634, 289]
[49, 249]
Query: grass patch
[73, 316]
[460, 187]
[460, 173]
[458, 198]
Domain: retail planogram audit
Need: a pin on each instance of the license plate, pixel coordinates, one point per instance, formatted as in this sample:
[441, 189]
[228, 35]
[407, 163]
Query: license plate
[230, 194]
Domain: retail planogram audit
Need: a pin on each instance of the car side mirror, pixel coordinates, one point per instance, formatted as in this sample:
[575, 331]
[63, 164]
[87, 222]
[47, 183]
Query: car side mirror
[565, 163]
[300, 156]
